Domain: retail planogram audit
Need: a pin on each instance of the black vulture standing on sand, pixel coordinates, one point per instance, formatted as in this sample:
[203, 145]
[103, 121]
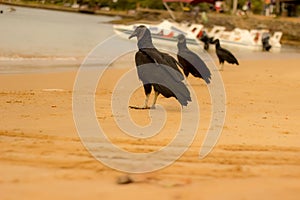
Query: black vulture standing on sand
[158, 69]
[191, 62]
[224, 55]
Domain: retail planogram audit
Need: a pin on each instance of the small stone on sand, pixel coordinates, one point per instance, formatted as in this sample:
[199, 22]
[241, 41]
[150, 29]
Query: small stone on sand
[124, 180]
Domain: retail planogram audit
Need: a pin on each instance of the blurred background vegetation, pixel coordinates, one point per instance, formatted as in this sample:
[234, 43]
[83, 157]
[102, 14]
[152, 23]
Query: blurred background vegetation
[257, 5]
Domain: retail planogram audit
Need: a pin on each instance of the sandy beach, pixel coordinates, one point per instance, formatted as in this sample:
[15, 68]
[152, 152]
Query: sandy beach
[257, 155]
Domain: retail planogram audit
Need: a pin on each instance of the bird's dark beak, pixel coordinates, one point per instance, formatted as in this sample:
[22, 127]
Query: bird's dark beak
[134, 34]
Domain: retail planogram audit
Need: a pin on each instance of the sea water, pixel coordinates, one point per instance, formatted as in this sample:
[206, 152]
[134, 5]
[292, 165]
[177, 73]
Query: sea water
[35, 38]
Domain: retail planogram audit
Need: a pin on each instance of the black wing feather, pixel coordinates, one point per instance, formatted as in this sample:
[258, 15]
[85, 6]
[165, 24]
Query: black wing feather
[226, 55]
[164, 59]
[161, 74]
[193, 64]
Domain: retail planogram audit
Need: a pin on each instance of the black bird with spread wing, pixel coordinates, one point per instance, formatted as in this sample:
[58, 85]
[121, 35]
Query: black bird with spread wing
[158, 70]
[224, 55]
[191, 62]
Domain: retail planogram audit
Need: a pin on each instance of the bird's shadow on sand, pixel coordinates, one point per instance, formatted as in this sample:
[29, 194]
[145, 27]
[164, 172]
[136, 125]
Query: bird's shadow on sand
[166, 107]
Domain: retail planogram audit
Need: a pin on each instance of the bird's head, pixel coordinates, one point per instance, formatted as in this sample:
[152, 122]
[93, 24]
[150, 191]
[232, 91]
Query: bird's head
[139, 32]
[216, 41]
[181, 38]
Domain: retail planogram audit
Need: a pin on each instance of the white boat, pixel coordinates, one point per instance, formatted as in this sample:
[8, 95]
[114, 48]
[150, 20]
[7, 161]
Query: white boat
[244, 38]
[166, 32]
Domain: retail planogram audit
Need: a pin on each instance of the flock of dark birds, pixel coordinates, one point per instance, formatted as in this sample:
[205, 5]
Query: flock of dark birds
[159, 71]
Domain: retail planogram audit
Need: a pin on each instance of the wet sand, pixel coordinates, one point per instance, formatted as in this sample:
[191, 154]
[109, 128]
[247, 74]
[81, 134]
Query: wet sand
[256, 157]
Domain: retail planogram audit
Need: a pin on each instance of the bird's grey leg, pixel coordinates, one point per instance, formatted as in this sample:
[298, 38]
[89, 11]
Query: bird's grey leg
[222, 67]
[146, 101]
[154, 99]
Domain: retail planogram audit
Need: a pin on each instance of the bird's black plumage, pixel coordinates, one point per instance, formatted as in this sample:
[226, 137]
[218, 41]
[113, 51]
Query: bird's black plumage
[191, 62]
[206, 40]
[224, 54]
[266, 42]
[158, 70]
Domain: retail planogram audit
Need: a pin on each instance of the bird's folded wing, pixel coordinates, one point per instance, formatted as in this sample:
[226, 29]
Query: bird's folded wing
[165, 76]
[164, 59]
[227, 55]
[198, 64]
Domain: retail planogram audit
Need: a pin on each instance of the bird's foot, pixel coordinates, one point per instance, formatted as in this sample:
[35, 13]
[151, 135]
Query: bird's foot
[139, 108]
[152, 107]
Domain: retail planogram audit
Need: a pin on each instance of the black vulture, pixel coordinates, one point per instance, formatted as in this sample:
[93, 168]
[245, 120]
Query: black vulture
[191, 62]
[206, 40]
[224, 55]
[158, 70]
[265, 42]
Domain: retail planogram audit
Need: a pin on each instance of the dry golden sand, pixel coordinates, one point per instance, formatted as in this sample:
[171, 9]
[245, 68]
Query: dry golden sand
[257, 156]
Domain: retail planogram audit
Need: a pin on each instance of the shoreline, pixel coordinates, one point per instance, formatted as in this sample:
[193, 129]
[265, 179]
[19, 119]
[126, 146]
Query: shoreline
[289, 26]
[67, 9]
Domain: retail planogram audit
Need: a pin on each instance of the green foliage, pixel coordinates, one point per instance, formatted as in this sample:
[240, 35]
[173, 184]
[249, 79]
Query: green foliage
[154, 4]
[125, 4]
[204, 6]
[257, 6]
[105, 2]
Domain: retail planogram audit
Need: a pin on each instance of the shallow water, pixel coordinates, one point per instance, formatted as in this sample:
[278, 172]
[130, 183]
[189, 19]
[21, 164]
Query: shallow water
[36, 40]
[37, 32]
